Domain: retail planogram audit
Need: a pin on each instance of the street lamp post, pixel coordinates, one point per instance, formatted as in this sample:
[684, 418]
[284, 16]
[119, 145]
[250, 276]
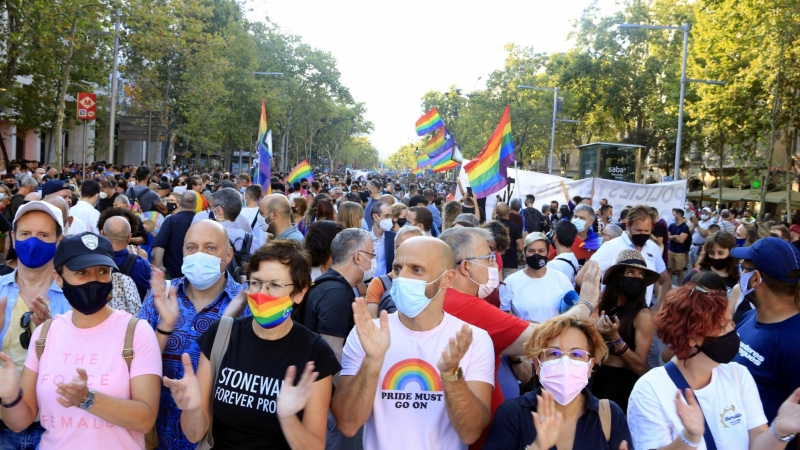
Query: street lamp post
[554, 90]
[113, 109]
[676, 171]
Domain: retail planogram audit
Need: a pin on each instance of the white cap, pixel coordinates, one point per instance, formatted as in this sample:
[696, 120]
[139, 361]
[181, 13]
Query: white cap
[39, 205]
[707, 209]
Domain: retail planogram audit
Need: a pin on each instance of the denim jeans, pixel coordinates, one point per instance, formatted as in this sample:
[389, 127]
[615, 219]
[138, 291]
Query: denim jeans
[27, 439]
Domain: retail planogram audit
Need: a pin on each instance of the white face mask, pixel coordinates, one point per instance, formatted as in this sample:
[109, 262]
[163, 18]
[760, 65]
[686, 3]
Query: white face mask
[386, 224]
[369, 273]
[103, 195]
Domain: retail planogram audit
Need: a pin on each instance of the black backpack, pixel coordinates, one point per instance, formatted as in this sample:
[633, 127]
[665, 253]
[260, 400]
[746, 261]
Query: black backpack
[534, 220]
[235, 268]
[299, 311]
[386, 303]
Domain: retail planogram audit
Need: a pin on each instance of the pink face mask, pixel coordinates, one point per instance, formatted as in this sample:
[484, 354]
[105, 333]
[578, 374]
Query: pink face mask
[565, 378]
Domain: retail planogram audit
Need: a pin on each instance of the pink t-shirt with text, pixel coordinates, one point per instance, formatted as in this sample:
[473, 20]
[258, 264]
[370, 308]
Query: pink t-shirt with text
[98, 350]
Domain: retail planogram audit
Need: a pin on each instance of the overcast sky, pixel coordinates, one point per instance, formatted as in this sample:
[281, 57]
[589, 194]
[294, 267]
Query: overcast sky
[391, 52]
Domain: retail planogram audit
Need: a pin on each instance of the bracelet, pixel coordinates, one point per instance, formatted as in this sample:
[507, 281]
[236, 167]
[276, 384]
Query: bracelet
[688, 442]
[14, 403]
[617, 342]
[625, 350]
[588, 305]
[165, 333]
[777, 436]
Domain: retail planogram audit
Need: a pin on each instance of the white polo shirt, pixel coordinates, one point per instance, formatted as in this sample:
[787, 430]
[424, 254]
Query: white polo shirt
[606, 256]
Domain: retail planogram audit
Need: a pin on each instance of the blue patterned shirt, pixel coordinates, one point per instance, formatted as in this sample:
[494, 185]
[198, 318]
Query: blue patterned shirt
[189, 326]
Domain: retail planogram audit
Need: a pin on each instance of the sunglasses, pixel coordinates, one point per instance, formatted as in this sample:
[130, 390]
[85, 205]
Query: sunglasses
[24, 323]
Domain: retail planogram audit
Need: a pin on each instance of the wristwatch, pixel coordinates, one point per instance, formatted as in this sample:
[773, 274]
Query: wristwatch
[454, 377]
[88, 402]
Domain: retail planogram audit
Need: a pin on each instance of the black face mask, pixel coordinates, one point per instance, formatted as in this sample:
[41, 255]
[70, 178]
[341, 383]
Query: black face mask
[401, 221]
[723, 349]
[639, 239]
[536, 261]
[171, 207]
[88, 298]
[721, 263]
[632, 287]
[552, 210]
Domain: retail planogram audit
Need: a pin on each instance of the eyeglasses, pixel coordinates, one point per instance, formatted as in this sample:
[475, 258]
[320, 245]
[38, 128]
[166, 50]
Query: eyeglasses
[744, 269]
[371, 255]
[268, 286]
[24, 323]
[492, 258]
[554, 354]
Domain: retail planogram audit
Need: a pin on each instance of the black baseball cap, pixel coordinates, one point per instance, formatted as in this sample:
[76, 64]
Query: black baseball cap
[164, 186]
[84, 250]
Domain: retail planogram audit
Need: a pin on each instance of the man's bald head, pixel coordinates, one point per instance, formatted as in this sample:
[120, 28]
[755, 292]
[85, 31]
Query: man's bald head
[276, 202]
[388, 199]
[117, 228]
[60, 203]
[208, 236]
[501, 210]
[435, 254]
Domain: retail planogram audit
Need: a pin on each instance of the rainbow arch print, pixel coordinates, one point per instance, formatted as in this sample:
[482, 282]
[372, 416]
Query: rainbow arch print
[414, 371]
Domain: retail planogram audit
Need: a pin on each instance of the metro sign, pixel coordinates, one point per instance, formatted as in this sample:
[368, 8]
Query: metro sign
[87, 106]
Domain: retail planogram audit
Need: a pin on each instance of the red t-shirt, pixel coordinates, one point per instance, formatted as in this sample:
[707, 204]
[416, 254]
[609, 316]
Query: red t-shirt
[502, 327]
[577, 249]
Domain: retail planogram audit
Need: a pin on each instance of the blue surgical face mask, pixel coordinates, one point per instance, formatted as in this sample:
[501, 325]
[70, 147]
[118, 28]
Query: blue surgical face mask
[202, 270]
[740, 242]
[579, 223]
[34, 253]
[409, 295]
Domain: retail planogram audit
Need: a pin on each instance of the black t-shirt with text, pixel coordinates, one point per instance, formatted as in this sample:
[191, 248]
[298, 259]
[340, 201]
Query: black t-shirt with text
[251, 373]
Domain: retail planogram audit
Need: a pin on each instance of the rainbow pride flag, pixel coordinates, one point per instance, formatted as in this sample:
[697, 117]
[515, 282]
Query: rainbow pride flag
[418, 172]
[448, 160]
[263, 174]
[487, 171]
[439, 144]
[423, 160]
[303, 170]
[431, 121]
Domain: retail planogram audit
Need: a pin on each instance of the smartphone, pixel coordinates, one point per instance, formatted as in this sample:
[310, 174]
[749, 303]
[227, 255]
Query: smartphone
[469, 191]
[612, 314]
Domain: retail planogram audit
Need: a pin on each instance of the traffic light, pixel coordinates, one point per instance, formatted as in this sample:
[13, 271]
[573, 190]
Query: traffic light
[559, 105]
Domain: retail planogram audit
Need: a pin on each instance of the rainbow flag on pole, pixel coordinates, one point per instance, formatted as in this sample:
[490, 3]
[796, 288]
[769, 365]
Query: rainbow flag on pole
[448, 160]
[487, 171]
[263, 174]
[423, 160]
[431, 121]
[439, 144]
[303, 170]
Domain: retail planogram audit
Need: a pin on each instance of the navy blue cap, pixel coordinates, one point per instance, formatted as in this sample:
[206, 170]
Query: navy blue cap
[774, 257]
[54, 186]
[84, 250]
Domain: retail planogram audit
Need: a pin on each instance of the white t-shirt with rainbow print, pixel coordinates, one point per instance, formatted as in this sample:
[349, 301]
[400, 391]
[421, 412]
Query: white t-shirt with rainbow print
[409, 409]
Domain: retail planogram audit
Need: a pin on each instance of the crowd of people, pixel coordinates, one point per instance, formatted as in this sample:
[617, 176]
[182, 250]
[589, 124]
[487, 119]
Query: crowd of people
[172, 308]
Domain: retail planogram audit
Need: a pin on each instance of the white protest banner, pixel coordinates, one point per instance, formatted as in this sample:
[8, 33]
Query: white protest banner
[544, 187]
[662, 196]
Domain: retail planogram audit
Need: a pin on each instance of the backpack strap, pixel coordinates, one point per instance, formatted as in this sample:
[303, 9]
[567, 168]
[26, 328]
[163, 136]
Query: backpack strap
[574, 269]
[247, 242]
[42, 338]
[255, 219]
[127, 266]
[605, 418]
[680, 382]
[218, 349]
[127, 348]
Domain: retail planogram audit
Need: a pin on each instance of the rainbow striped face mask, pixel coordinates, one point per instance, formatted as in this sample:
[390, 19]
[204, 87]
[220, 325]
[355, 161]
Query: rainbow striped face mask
[268, 311]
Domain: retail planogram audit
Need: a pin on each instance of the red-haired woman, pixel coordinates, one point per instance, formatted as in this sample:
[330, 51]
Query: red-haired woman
[721, 399]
